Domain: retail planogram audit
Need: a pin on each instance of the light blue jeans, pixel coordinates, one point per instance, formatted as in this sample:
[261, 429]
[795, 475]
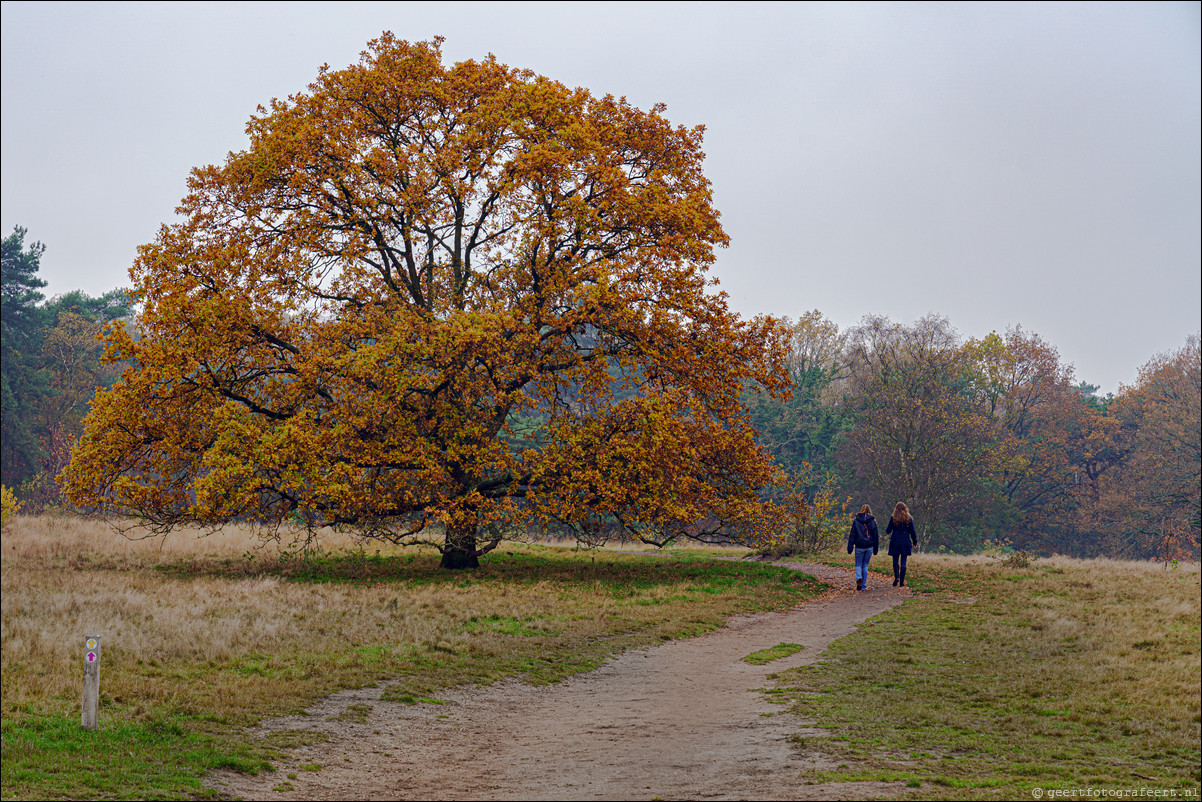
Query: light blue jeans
[862, 558]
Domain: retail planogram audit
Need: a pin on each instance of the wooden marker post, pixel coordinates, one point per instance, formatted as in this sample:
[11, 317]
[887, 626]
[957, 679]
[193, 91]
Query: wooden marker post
[91, 682]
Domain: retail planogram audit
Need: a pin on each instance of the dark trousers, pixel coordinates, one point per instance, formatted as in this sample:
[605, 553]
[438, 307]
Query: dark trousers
[899, 566]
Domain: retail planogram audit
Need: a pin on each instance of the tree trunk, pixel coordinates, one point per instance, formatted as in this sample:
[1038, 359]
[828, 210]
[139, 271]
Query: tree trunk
[460, 549]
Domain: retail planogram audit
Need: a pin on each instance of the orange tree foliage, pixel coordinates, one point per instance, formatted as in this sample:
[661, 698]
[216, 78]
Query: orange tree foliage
[425, 298]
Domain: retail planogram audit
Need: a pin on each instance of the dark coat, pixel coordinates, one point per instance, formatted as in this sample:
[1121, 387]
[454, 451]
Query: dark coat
[901, 536]
[863, 533]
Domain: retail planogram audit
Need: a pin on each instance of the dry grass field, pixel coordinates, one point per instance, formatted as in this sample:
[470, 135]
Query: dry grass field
[203, 635]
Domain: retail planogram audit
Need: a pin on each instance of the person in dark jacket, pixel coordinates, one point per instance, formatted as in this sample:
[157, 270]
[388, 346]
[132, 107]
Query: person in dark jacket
[901, 537]
[864, 540]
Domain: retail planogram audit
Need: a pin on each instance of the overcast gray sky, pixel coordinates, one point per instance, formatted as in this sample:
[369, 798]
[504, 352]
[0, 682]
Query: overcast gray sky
[996, 163]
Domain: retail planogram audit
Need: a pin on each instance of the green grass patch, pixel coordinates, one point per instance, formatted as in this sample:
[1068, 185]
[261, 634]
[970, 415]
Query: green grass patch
[354, 714]
[777, 652]
[393, 695]
[507, 625]
[52, 756]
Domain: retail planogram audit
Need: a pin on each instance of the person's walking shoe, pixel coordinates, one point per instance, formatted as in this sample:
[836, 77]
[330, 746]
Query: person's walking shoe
[895, 580]
[859, 584]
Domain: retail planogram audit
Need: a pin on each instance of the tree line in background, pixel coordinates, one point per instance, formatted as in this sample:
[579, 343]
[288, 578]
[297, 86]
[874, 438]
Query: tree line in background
[52, 365]
[991, 442]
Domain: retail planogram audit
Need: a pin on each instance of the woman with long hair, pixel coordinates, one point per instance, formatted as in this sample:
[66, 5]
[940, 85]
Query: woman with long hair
[864, 540]
[901, 537]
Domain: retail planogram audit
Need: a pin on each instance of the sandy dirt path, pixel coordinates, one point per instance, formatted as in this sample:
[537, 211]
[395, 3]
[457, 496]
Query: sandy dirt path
[677, 721]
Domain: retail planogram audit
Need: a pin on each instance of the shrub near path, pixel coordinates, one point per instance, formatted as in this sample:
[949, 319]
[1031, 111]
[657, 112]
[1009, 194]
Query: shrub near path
[1000, 681]
[205, 636]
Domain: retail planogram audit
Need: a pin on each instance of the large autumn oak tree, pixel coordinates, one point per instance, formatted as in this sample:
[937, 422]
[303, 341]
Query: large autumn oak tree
[459, 300]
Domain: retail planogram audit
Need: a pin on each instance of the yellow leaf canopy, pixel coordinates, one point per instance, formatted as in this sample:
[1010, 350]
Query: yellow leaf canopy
[432, 298]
